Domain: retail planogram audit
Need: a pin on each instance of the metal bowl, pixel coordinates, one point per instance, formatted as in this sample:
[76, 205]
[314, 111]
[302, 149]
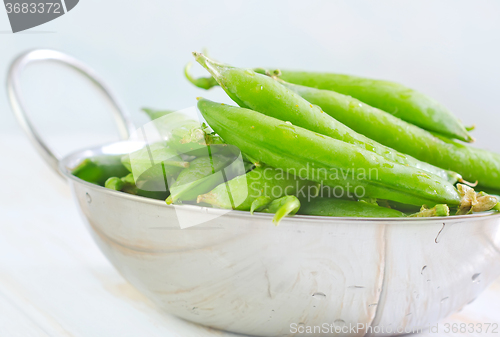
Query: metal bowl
[239, 273]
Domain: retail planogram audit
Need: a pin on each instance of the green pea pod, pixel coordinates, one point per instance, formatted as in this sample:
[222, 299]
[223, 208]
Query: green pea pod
[394, 98]
[438, 210]
[141, 160]
[127, 184]
[183, 134]
[98, 169]
[263, 94]
[323, 159]
[260, 203]
[346, 208]
[472, 163]
[257, 189]
[202, 175]
[282, 207]
[114, 183]
[201, 82]
[405, 208]
[154, 166]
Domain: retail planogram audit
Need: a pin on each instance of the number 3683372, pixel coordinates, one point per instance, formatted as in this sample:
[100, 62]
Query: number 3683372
[41, 7]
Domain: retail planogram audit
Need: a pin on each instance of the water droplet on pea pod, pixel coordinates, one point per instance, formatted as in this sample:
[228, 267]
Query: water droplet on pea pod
[288, 129]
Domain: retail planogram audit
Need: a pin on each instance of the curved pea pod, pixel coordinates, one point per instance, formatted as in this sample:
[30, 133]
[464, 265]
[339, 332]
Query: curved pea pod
[260, 203]
[98, 169]
[282, 207]
[154, 166]
[323, 159]
[398, 100]
[256, 189]
[202, 175]
[266, 95]
[346, 208]
[201, 82]
[472, 163]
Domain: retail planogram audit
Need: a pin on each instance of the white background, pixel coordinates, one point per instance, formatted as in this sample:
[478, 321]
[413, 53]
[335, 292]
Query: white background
[447, 49]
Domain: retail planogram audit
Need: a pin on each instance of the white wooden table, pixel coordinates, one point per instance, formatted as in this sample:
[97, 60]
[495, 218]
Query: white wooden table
[55, 282]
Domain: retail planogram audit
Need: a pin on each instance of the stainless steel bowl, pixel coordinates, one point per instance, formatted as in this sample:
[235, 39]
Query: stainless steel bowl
[238, 272]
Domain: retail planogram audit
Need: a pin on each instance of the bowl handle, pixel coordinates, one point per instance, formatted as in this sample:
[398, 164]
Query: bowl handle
[125, 126]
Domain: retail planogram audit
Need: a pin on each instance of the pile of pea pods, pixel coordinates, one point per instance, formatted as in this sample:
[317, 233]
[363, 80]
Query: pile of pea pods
[301, 137]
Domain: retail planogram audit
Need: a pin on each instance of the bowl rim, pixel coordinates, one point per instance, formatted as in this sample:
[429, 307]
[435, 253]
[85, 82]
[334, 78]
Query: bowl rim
[79, 155]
